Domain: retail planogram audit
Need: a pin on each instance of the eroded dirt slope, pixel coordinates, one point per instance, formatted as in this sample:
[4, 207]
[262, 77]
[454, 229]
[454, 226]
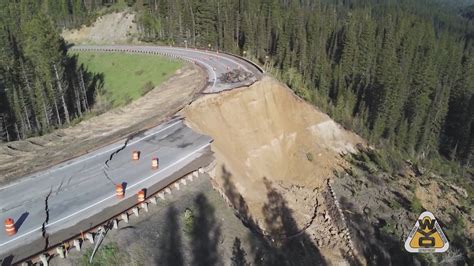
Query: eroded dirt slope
[268, 142]
[111, 28]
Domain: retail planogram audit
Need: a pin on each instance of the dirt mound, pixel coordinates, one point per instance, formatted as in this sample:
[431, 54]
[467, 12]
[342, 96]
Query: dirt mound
[264, 135]
[112, 28]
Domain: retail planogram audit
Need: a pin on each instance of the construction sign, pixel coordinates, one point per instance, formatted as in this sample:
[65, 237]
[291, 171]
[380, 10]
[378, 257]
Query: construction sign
[426, 236]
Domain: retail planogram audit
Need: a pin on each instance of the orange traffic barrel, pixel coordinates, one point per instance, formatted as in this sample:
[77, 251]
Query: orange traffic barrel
[119, 192]
[135, 155]
[10, 226]
[155, 164]
[141, 195]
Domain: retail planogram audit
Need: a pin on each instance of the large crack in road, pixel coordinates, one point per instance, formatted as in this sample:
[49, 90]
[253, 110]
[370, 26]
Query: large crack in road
[43, 227]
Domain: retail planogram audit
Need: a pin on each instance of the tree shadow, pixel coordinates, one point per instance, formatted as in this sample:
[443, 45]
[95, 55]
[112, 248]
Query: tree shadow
[79, 75]
[170, 244]
[283, 243]
[205, 234]
[239, 256]
[378, 247]
[290, 246]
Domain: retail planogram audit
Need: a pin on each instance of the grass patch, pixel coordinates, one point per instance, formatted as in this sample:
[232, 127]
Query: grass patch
[109, 254]
[128, 76]
[188, 220]
[416, 206]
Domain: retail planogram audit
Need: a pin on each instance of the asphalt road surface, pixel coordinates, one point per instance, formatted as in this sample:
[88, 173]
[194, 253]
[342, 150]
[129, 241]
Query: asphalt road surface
[79, 193]
[82, 187]
[215, 63]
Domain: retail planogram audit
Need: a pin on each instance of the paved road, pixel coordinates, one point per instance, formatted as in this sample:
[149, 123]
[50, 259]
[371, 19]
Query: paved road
[213, 62]
[70, 195]
[84, 186]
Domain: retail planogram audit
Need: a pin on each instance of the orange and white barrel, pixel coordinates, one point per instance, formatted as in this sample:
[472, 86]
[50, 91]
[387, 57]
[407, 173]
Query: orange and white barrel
[141, 195]
[10, 226]
[135, 155]
[155, 163]
[119, 191]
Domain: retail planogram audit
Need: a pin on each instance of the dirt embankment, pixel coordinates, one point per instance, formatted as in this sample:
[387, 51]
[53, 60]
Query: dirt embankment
[114, 28]
[21, 157]
[268, 142]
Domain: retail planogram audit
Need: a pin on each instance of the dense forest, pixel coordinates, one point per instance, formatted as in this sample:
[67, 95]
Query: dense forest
[41, 88]
[398, 72]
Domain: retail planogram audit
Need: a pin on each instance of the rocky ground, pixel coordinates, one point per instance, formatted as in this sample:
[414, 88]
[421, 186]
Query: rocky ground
[165, 236]
[381, 209]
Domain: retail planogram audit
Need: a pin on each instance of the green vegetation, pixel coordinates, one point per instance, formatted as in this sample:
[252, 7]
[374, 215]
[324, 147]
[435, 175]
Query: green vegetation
[415, 206]
[128, 76]
[309, 156]
[107, 255]
[398, 72]
[41, 88]
[188, 221]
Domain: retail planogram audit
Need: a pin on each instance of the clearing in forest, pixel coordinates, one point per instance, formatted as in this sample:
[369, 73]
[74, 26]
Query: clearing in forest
[126, 77]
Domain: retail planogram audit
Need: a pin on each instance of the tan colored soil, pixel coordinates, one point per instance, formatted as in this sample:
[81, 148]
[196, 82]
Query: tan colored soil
[21, 157]
[111, 28]
[265, 131]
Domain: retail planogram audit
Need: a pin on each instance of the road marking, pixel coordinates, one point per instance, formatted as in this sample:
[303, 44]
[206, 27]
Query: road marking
[88, 158]
[207, 53]
[107, 198]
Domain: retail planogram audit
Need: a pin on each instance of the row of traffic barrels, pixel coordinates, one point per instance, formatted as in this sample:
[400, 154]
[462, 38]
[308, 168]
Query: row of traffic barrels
[11, 229]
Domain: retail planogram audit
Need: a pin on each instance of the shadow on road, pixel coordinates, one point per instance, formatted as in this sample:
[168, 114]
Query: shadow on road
[21, 220]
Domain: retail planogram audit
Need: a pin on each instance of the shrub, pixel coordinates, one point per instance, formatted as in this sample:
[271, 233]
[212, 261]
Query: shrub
[188, 221]
[309, 156]
[416, 206]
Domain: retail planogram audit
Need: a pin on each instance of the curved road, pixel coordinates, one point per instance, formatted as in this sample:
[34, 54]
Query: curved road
[53, 205]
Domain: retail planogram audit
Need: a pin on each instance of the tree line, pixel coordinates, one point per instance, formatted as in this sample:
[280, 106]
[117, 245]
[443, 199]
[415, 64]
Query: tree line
[41, 87]
[398, 72]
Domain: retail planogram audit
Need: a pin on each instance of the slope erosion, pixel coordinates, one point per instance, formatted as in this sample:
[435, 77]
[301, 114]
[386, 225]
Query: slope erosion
[275, 150]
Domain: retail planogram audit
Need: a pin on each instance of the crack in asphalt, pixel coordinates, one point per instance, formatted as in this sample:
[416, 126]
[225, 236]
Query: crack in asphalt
[107, 176]
[43, 228]
[130, 137]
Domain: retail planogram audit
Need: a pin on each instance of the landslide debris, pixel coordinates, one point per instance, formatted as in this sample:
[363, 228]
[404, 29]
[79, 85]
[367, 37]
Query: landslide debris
[268, 142]
[236, 75]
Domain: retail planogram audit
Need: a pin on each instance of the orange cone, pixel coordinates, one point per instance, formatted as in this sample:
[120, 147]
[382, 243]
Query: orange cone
[141, 195]
[136, 155]
[10, 226]
[119, 191]
[155, 164]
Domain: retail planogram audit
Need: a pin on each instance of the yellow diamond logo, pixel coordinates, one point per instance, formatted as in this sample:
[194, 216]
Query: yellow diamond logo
[426, 236]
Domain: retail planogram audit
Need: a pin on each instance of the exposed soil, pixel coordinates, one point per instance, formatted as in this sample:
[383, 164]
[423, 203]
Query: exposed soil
[269, 141]
[159, 237]
[114, 28]
[21, 157]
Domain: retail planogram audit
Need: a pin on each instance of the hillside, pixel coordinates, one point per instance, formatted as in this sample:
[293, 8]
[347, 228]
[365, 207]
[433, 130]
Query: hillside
[261, 148]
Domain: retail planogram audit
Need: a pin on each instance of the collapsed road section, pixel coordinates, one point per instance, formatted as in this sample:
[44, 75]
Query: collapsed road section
[81, 193]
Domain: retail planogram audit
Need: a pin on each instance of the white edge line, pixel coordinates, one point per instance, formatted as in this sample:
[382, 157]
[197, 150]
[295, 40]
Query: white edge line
[88, 158]
[107, 198]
